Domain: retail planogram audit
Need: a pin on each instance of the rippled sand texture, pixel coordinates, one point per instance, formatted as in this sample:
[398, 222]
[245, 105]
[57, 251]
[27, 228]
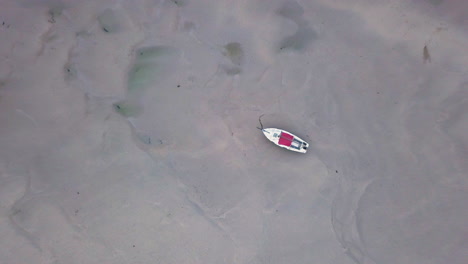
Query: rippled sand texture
[128, 131]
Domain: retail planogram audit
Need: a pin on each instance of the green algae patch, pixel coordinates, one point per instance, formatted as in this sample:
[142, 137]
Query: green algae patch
[149, 64]
[127, 109]
[234, 52]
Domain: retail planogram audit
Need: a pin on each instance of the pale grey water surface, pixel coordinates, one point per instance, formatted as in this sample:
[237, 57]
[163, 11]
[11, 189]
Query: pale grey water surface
[128, 131]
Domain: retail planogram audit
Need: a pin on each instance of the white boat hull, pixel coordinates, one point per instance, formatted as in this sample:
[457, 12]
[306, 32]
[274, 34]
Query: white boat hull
[286, 140]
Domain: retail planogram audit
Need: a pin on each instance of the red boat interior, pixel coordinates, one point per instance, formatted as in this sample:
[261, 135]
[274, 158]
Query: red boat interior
[285, 139]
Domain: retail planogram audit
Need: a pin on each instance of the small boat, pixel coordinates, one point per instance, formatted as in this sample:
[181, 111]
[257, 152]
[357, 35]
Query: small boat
[285, 139]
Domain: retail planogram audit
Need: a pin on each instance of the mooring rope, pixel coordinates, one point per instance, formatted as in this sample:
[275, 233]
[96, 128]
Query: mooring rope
[260, 120]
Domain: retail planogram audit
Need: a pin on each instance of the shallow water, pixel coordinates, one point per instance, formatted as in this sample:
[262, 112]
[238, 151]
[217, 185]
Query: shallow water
[128, 132]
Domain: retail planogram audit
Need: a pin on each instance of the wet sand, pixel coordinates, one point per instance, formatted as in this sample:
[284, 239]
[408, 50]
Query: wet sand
[128, 131]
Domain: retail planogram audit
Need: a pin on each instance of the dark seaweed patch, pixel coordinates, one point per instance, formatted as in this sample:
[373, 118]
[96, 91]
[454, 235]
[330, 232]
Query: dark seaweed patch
[300, 40]
[179, 2]
[291, 10]
[426, 55]
[109, 21]
[304, 35]
[54, 13]
[234, 52]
